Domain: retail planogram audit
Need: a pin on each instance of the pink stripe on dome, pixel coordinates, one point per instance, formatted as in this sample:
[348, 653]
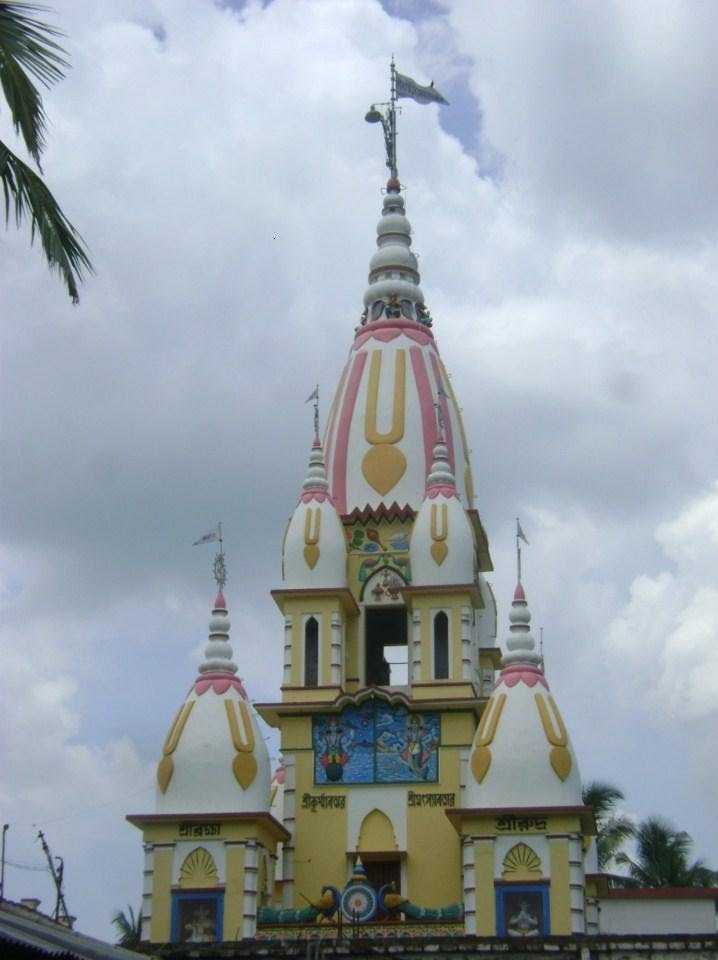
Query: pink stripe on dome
[419, 336]
[329, 435]
[445, 411]
[339, 472]
[426, 403]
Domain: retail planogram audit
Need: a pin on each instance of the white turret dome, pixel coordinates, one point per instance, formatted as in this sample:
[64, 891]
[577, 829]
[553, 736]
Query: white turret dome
[442, 541]
[522, 755]
[214, 759]
[315, 548]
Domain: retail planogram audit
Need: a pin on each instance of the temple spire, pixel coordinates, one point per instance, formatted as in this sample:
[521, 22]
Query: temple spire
[316, 478]
[520, 643]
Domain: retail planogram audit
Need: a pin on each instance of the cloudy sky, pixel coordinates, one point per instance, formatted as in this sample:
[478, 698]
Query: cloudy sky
[215, 159]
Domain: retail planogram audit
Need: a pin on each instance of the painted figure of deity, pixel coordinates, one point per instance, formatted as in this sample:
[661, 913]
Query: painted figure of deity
[336, 747]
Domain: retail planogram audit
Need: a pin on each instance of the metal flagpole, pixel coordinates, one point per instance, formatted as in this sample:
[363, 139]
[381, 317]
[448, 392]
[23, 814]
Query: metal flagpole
[392, 118]
[5, 828]
[518, 553]
[316, 413]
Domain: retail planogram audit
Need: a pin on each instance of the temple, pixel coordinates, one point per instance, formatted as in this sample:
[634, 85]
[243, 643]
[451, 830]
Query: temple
[428, 787]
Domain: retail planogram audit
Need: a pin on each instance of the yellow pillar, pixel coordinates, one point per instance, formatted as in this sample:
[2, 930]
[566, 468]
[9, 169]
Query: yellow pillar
[560, 893]
[233, 893]
[161, 893]
[484, 879]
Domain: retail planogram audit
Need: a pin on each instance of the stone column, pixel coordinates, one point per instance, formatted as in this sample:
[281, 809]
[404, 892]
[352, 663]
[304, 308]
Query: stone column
[484, 884]
[576, 884]
[251, 870]
[469, 884]
[415, 674]
[287, 678]
[466, 665]
[290, 801]
[336, 651]
[147, 881]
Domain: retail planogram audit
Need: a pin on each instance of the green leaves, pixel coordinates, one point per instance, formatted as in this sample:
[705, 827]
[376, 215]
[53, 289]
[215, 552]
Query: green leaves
[129, 927]
[661, 858]
[28, 50]
[25, 193]
[613, 829]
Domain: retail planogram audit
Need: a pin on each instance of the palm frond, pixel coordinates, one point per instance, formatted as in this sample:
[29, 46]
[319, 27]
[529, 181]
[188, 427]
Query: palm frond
[129, 927]
[612, 834]
[602, 797]
[662, 857]
[25, 192]
[27, 49]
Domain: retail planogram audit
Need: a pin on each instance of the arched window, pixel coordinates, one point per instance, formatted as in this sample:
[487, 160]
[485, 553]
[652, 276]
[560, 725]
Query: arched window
[311, 653]
[441, 646]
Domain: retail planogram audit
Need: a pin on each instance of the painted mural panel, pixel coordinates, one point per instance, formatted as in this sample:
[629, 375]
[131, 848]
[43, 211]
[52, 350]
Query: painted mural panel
[376, 743]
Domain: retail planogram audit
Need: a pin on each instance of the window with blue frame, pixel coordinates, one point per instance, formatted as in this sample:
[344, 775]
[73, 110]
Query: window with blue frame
[197, 916]
[522, 910]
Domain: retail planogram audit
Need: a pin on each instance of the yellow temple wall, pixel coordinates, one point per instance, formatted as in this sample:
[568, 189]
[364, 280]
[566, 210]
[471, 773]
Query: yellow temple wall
[327, 838]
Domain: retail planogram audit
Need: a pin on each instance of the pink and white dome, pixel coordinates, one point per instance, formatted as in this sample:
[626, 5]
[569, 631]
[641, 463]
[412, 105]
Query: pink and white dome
[381, 430]
[214, 759]
[442, 541]
[522, 755]
[315, 548]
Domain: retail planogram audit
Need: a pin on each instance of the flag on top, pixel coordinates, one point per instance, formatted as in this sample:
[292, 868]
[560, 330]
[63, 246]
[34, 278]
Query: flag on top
[210, 537]
[411, 90]
[314, 395]
[520, 535]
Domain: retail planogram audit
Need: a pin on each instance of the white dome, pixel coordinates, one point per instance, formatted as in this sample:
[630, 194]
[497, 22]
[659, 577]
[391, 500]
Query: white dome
[442, 541]
[442, 561]
[206, 766]
[522, 755]
[315, 548]
[214, 759]
[315, 564]
[520, 772]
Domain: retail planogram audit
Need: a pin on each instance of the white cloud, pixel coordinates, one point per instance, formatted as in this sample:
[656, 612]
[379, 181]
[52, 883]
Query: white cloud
[218, 165]
[669, 627]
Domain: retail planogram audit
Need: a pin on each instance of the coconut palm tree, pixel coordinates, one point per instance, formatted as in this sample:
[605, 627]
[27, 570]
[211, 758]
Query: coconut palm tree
[661, 858]
[129, 927]
[29, 51]
[613, 828]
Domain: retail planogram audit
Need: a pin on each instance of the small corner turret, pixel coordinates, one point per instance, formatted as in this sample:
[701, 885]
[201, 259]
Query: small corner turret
[523, 818]
[210, 847]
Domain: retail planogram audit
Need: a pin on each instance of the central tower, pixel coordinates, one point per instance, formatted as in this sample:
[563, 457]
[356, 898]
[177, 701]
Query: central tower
[389, 622]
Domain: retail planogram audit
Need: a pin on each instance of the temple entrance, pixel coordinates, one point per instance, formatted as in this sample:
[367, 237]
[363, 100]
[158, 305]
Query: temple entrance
[386, 646]
[381, 872]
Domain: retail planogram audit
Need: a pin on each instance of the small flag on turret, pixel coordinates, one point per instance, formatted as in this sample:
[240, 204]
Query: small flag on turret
[520, 535]
[411, 90]
[314, 395]
[210, 537]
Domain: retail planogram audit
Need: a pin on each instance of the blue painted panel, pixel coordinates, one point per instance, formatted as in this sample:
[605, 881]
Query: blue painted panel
[197, 916]
[376, 743]
[522, 910]
[406, 745]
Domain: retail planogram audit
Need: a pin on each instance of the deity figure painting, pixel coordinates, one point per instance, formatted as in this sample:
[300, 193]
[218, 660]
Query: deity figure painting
[198, 921]
[523, 913]
[406, 746]
[343, 746]
[376, 743]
